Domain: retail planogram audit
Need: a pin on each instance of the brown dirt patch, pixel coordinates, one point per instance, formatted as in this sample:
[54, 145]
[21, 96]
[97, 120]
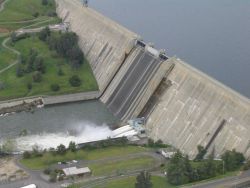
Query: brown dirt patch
[3, 30]
[9, 171]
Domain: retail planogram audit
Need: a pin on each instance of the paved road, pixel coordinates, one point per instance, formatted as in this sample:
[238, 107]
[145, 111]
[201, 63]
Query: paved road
[226, 182]
[133, 83]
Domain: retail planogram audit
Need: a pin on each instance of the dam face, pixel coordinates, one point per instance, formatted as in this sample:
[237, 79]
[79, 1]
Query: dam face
[182, 106]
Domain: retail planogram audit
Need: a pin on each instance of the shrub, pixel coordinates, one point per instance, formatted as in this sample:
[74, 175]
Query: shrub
[60, 72]
[52, 177]
[45, 2]
[61, 149]
[55, 87]
[37, 77]
[26, 155]
[44, 34]
[35, 14]
[19, 71]
[233, 160]
[47, 171]
[75, 81]
[29, 86]
[51, 13]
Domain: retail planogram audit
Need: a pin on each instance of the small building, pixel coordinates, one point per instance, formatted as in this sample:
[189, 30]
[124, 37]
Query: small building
[74, 171]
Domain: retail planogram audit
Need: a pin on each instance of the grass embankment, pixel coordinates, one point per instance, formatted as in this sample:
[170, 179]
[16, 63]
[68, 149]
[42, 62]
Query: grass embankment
[6, 57]
[17, 87]
[49, 159]
[20, 13]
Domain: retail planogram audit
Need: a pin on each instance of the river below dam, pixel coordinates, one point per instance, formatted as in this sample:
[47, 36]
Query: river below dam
[50, 126]
[211, 35]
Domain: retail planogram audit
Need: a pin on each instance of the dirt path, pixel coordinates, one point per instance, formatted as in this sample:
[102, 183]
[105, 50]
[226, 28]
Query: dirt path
[13, 51]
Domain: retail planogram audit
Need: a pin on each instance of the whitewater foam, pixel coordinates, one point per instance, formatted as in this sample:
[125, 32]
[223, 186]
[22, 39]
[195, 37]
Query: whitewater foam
[84, 133]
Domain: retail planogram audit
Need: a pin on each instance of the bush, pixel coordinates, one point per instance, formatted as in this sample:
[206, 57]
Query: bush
[47, 171]
[29, 86]
[51, 13]
[19, 71]
[52, 177]
[55, 87]
[37, 77]
[233, 160]
[75, 81]
[61, 149]
[26, 155]
[44, 34]
[35, 14]
[247, 165]
[45, 2]
[60, 72]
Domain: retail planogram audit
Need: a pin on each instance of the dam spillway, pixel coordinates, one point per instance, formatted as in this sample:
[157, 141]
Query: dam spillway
[135, 74]
[182, 106]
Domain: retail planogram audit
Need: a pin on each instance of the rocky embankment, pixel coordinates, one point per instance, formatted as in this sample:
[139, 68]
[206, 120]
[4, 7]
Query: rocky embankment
[20, 106]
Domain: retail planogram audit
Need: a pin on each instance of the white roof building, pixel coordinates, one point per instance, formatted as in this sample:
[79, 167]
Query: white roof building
[73, 171]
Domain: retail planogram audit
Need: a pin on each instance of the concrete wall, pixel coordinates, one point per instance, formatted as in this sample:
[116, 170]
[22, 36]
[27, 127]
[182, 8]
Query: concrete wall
[134, 84]
[190, 112]
[194, 110]
[103, 41]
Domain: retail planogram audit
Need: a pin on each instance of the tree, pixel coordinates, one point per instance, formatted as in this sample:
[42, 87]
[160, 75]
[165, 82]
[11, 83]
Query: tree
[201, 153]
[8, 146]
[45, 2]
[39, 65]
[55, 87]
[233, 160]
[61, 149]
[37, 77]
[177, 171]
[13, 37]
[143, 180]
[72, 146]
[44, 34]
[26, 155]
[75, 81]
[76, 56]
[19, 71]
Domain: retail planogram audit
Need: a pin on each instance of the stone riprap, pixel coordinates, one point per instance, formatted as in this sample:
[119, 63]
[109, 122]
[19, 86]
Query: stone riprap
[192, 110]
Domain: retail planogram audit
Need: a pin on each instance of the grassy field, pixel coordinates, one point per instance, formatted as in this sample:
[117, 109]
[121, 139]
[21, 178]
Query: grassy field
[20, 13]
[6, 57]
[158, 182]
[17, 87]
[115, 167]
[49, 159]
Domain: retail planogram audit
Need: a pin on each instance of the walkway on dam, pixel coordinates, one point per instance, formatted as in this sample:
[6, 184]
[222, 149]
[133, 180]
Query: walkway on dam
[143, 67]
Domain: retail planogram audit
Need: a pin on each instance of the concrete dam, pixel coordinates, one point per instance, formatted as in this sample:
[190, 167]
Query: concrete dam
[182, 106]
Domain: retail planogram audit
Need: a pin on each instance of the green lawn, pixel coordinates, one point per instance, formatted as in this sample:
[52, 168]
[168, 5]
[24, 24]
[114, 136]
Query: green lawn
[6, 57]
[158, 182]
[114, 167]
[23, 11]
[48, 159]
[17, 87]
